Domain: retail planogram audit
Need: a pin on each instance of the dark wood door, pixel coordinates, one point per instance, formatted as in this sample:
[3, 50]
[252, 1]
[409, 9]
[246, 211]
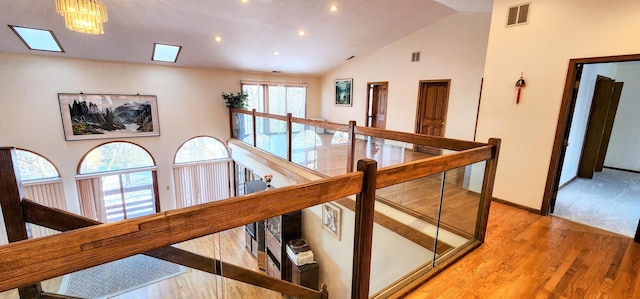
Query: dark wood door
[595, 126]
[608, 124]
[433, 97]
[377, 110]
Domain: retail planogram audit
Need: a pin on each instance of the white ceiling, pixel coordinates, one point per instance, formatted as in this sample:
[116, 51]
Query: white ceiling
[251, 32]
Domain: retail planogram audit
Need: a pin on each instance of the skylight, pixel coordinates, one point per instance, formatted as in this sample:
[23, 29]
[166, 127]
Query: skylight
[165, 53]
[37, 39]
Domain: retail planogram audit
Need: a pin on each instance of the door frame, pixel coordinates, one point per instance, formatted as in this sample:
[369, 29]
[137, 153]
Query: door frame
[369, 100]
[564, 121]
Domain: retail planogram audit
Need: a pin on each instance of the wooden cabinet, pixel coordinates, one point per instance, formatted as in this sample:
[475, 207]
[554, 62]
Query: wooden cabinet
[306, 275]
[279, 230]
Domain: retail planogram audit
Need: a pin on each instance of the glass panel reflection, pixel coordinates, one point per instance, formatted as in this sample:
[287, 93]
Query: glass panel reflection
[460, 204]
[387, 152]
[243, 127]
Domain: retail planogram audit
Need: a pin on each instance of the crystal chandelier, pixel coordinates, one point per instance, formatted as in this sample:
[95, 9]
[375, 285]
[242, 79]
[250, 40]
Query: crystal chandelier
[84, 16]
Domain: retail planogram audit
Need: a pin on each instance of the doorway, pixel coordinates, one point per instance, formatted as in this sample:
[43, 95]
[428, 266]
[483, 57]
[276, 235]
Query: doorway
[431, 114]
[377, 104]
[586, 126]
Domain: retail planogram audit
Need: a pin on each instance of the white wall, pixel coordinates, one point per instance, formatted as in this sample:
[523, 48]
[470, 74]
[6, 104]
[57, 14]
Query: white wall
[453, 48]
[557, 31]
[581, 112]
[189, 104]
[624, 146]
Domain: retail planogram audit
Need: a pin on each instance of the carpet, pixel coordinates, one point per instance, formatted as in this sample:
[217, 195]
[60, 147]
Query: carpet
[118, 277]
[610, 201]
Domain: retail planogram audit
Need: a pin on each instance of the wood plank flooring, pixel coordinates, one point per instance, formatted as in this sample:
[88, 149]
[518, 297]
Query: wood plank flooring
[527, 255]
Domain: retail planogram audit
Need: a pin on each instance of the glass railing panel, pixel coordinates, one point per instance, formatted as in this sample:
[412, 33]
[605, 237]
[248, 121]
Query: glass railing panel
[238, 247]
[306, 143]
[308, 248]
[243, 127]
[331, 158]
[137, 276]
[419, 197]
[390, 152]
[460, 205]
[404, 236]
[329, 230]
[272, 136]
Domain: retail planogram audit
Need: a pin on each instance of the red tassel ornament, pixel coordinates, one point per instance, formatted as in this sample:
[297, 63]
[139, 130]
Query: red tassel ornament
[519, 84]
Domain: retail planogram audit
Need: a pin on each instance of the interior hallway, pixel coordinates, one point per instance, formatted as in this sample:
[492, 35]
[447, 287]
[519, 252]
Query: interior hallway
[610, 201]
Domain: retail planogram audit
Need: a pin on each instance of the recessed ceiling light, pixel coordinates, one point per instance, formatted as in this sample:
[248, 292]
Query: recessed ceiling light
[165, 53]
[302, 33]
[334, 7]
[37, 39]
[276, 53]
[218, 38]
[244, 1]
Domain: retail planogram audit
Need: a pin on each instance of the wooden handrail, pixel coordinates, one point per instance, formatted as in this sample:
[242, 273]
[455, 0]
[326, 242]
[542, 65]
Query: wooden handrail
[61, 220]
[87, 247]
[413, 138]
[321, 124]
[401, 173]
[419, 139]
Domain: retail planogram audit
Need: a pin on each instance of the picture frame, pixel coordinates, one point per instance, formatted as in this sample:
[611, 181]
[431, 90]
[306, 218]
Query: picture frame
[344, 92]
[332, 219]
[103, 116]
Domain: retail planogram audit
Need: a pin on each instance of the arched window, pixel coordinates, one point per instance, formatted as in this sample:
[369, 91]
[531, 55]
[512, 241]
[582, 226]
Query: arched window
[41, 183]
[34, 167]
[117, 181]
[201, 149]
[201, 172]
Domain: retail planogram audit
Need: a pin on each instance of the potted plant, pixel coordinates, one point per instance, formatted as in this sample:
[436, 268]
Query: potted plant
[236, 100]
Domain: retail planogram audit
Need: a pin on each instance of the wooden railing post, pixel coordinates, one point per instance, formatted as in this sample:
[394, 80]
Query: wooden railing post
[289, 138]
[365, 204]
[10, 198]
[231, 124]
[255, 131]
[352, 146]
[487, 190]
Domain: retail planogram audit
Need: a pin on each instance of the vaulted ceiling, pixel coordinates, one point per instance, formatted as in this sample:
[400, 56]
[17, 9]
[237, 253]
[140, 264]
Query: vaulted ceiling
[251, 32]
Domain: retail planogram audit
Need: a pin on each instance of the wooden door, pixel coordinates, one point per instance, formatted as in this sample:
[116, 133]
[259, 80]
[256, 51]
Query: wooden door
[433, 97]
[377, 110]
[595, 126]
[608, 125]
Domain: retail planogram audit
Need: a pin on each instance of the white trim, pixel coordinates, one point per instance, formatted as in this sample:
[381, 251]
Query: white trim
[112, 172]
[216, 161]
[41, 181]
[247, 82]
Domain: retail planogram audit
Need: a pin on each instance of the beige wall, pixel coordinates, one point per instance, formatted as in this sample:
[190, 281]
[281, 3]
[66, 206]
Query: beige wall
[189, 104]
[453, 48]
[557, 31]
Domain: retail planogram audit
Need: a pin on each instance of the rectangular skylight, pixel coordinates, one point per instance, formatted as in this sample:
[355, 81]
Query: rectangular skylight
[165, 53]
[37, 39]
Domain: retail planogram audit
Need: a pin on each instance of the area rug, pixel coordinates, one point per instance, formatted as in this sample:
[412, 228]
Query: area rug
[118, 277]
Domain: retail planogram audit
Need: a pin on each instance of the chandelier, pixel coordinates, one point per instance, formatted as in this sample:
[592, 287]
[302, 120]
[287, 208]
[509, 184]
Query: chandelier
[84, 16]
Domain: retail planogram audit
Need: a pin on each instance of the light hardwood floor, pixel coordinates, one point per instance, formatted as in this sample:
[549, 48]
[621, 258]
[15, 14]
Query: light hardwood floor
[527, 255]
